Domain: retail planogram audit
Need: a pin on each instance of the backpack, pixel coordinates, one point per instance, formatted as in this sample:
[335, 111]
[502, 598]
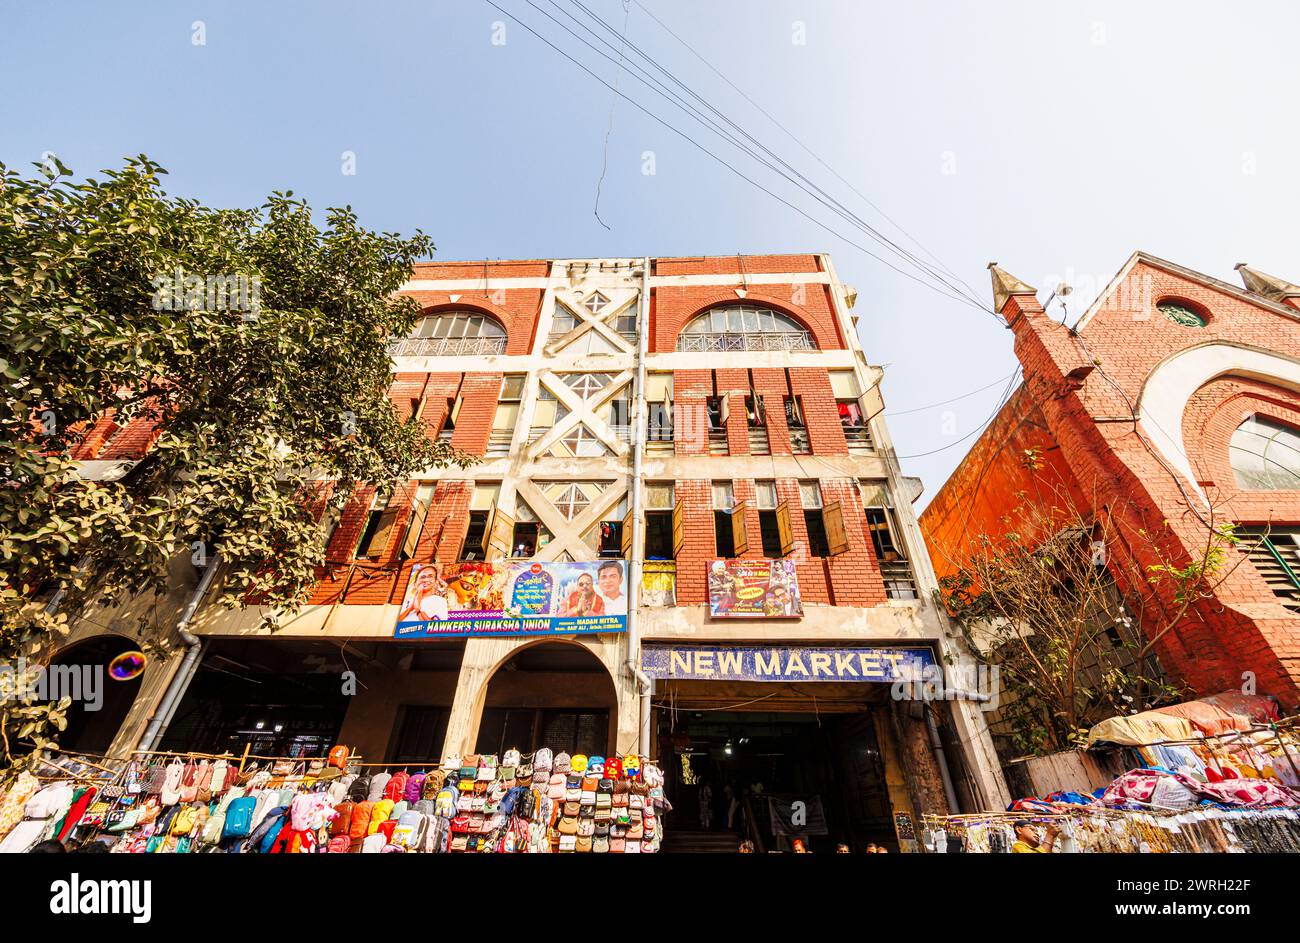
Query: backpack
[445, 803]
[185, 820]
[342, 824]
[373, 844]
[361, 813]
[379, 813]
[414, 788]
[213, 828]
[339, 844]
[378, 783]
[264, 838]
[239, 818]
[396, 786]
[360, 789]
[410, 829]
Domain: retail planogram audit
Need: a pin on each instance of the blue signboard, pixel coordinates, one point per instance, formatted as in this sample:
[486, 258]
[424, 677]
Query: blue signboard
[783, 663]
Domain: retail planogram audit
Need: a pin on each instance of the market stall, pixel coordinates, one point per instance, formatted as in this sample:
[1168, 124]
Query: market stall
[188, 803]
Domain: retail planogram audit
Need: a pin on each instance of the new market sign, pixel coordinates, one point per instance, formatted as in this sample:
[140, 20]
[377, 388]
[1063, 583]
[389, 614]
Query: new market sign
[783, 663]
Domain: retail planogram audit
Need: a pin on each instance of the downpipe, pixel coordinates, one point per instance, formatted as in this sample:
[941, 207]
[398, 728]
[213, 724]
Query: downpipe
[189, 665]
[645, 684]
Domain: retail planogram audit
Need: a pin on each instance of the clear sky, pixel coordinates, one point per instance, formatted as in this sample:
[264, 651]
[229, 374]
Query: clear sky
[1054, 138]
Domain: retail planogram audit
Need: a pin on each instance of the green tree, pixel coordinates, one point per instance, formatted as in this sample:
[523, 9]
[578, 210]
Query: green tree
[254, 339]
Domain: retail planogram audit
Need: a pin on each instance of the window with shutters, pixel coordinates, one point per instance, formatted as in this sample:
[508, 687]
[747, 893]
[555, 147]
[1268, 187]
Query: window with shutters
[1275, 552]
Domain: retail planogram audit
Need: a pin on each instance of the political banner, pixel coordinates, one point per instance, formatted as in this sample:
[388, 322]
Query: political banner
[504, 598]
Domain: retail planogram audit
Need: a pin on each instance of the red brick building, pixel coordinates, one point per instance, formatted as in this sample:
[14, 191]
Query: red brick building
[1176, 397]
[675, 416]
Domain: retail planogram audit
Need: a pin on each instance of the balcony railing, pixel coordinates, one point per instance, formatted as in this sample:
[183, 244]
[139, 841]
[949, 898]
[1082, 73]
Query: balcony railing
[446, 346]
[800, 444]
[499, 442]
[899, 582]
[779, 340]
[858, 438]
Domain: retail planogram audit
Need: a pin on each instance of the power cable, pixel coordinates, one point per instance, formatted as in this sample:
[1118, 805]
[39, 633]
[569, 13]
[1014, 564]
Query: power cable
[794, 137]
[1002, 400]
[918, 409]
[721, 160]
[833, 204]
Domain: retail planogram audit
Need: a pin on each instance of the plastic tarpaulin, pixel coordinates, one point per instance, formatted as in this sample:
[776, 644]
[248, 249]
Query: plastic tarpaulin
[1209, 720]
[1260, 709]
[1147, 727]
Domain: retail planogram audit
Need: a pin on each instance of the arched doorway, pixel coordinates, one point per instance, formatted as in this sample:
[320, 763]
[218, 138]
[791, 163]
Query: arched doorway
[553, 694]
[100, 703]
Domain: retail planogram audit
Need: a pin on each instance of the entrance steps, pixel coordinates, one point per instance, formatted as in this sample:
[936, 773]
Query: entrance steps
[707, 843]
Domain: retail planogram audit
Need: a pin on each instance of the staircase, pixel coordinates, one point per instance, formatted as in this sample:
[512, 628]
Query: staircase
[700, 843]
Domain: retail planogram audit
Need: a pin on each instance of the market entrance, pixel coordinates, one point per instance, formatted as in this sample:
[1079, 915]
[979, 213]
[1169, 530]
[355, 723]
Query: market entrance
[298, 697]
[819, 765]
[554, 694]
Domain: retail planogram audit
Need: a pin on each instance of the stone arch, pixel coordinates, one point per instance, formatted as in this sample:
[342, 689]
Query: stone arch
[1171, 385]
[599, 690]
[103, 704]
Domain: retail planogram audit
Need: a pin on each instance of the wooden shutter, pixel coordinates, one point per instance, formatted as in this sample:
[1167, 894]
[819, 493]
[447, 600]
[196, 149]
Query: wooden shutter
[627, 535]
[783, 528]
[419, 511]
[739, 532]
[679, 534]
[500, 531]
[837, 538]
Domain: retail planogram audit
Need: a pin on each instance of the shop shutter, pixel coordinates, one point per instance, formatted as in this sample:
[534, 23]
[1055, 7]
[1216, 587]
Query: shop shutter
[837, 538]
[739, 533]
[783, 528]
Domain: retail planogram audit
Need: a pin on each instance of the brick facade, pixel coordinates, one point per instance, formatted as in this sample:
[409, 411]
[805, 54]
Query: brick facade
[1077, 391]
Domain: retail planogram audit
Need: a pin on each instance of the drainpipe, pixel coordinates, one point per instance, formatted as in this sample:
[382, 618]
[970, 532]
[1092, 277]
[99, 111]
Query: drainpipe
[181, 680]
[645, 684]
[936, 744]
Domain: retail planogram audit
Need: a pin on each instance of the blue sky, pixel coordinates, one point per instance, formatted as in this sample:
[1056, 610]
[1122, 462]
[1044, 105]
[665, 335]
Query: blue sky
[1052, 138]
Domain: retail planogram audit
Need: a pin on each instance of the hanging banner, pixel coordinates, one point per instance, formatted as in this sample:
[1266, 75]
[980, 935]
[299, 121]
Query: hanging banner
[500, 598]
[783, 663]
[754, 589]
[796, 815]
[659, 583]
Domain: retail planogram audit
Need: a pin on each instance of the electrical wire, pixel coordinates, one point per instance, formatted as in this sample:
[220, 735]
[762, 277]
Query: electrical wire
[1002, 401]
[821, 195]
[735, 170]
[794, 137]
[918, 409]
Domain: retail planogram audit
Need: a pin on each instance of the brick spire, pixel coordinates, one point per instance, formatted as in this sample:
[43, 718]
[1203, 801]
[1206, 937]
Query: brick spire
[1269, 286]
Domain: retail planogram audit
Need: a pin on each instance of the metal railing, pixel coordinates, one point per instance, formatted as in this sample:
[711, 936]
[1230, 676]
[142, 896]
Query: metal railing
[764, 340]
[445, 346]
[758, 441]
[858, 438]
[899, 582]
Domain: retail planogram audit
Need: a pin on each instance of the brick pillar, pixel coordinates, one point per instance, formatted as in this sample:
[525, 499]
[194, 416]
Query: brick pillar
[855, 573]
[699, 549]
[825, 431]
[690, 413]
[769, 382]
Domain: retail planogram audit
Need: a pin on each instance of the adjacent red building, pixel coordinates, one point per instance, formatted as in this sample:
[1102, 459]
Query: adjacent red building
[1175, 397]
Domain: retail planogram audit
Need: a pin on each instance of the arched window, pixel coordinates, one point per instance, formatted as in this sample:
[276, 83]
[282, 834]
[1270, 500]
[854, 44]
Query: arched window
[744, 327]
[457, 331]
[1265, 455]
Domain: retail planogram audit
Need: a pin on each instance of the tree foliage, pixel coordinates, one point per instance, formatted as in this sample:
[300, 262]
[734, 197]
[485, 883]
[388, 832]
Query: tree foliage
[255, 341]
[1059, 600]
